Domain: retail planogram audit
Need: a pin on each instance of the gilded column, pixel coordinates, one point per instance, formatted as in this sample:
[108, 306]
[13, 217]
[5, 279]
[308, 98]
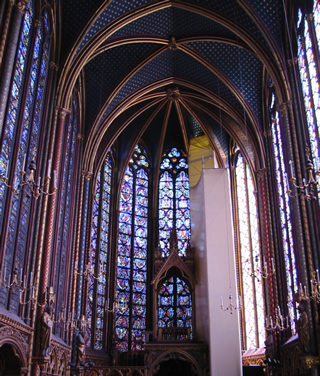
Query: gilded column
[6, 23]
[45, 264]
[7, 59]
[81, 259]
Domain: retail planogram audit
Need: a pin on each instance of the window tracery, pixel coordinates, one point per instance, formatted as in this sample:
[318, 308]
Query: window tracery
[250, 250]
[175, 306]
[14, 101]
[23, 125]
[285, 212]
[60, 260]
[308, 50]
[174, 201]
[130, 313]
[98, 258]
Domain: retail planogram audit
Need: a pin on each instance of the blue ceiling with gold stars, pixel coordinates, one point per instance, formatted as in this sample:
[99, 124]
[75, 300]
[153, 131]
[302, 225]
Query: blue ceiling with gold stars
[213, 52]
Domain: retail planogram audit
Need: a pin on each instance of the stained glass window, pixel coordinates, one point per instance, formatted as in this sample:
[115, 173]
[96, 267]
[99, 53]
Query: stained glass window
[316, 17]
[29, 140]
[66, 210]
[308, 51]
[175, 305]
[174, 201]
[253, 304]
[130, 299]
[99, 256]
[285, 213]
[14, 101]
[23, 125]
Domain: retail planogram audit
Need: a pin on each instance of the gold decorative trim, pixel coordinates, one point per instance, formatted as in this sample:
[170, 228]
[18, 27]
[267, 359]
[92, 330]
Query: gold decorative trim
[87, 174]
[19, 325]
[311, 361]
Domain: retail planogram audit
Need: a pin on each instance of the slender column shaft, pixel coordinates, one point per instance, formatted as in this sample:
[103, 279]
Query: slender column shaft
[8, 59]
[45, 265]
[82, 249]
[6, 22]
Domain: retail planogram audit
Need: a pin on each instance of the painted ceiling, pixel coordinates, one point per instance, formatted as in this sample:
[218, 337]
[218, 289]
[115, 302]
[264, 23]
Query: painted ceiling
[171, 70]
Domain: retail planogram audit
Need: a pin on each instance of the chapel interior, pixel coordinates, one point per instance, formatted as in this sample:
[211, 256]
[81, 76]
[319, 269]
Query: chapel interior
[159, 187]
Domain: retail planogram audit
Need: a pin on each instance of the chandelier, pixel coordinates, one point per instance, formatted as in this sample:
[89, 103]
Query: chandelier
[308, 188]
[281, 323]
[27, 180]
[231, 307]
[120, 305]
[260, 272]
[315, 289]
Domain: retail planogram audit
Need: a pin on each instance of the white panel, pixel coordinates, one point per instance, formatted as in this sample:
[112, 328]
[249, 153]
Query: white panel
[212, 226]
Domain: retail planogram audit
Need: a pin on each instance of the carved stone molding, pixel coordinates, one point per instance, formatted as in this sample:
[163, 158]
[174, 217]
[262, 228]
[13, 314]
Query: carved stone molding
[5, 319]
[57, 362]
[173, 94]
[193, 353]
[20, 342]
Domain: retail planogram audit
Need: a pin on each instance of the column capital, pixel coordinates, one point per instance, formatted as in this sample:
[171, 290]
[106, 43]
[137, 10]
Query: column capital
[261, 173]
[87, 174]
[21, 5]
[63, 112]
[283, 107]
[53, 65]
[37, 23]
[292, 62]
[310, 16]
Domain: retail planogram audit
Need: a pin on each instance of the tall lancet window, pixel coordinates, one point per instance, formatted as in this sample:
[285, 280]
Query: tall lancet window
[60, 262]
[174, 201]
[10, 126]
[308, 58]
[99, 256]
[284, 207]
[24, 125]
[250, 253]
[130, 297]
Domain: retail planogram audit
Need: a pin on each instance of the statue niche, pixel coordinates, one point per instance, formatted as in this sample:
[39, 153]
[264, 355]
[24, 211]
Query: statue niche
[81, 340]
[47, 323]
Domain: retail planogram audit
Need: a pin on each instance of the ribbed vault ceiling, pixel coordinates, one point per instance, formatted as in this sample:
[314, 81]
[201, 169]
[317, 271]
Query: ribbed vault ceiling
[168, 71]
